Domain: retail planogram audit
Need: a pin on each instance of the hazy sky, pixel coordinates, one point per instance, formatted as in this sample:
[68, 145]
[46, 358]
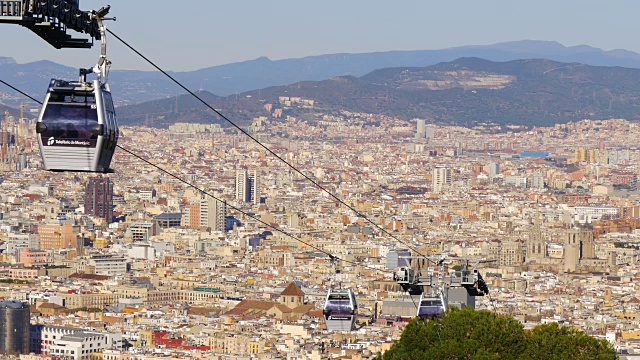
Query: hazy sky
[202, 33]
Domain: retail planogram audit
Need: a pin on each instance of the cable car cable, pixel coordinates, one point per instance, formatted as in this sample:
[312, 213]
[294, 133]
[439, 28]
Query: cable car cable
[331, 256]
[262, 145]
[202, 191]
[20, 91]
[231, 206]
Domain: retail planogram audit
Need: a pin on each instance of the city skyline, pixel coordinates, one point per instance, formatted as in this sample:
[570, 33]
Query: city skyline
[577, 222]
[327, 228]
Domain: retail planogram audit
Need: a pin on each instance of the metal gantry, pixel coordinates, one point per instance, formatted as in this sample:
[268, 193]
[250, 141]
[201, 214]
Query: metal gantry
[50, 19]
[463, 285]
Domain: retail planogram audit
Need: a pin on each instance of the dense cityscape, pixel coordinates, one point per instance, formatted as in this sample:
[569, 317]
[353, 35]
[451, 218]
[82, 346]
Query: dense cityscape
[139, 265]
[377, 202]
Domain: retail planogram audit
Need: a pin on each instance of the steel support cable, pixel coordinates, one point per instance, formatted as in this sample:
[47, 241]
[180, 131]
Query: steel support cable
[331, 256]
[275, 228]
[20, 91]
[264, 146]
[200, 190]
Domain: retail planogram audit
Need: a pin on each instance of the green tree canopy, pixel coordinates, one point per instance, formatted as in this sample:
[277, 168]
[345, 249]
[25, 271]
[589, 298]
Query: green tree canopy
[552, 342]
[483, 335]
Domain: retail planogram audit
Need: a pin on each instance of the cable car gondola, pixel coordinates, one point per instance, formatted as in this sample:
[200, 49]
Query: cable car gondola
[430, 306]
[77, 127]
[340, 310]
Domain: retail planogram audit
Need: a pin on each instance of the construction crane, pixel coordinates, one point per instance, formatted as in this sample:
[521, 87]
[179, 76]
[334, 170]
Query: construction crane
[50, 19]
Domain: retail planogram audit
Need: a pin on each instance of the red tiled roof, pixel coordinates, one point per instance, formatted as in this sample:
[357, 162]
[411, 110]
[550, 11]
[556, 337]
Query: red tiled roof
[292, 290]
[247, 306]
[89, 277]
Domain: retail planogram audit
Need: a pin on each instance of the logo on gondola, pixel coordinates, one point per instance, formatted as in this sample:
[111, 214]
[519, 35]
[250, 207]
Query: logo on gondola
[62, 142]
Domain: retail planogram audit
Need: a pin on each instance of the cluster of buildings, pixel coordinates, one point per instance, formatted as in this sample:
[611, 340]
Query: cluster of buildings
[227, 264]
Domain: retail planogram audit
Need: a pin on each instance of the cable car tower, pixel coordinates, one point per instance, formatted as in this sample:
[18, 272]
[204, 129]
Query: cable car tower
[458, 287]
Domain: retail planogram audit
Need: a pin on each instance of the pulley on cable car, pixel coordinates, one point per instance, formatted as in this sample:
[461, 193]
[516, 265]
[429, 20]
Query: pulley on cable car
[77, 127]
[475, 284]
[340, 306]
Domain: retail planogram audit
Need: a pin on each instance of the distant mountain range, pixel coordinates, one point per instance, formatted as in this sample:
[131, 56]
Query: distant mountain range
[466, 92]
[132, 87]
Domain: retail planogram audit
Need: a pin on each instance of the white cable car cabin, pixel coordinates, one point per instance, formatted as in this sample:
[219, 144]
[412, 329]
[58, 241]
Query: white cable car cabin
[430, 306]
[77, 128]
[340, 310]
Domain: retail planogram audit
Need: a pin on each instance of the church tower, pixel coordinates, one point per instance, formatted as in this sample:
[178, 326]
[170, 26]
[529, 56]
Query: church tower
[292, 296]
[536, 245]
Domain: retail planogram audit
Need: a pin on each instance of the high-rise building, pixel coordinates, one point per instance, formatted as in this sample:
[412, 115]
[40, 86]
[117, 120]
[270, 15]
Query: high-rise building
[494, 169]
[441, 177]
[241, 186]
[459, 148]
[248, 186]
[22, 162]
[191, 216]
[430, 132]
[15, 324]
[580, 155]
[59, 236]
[206, 212]
[98, 198]
[537, 181]
[420, 128]
[516, 180]
[213, 213]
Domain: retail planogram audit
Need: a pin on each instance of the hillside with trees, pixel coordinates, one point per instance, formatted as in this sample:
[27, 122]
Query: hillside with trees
[466, 92]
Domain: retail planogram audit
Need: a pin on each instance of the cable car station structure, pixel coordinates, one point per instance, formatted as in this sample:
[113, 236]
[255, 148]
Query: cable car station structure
[77, 127]
[460, 287]
[50, 19]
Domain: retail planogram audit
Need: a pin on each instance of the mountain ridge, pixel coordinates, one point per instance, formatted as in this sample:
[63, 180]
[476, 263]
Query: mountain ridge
[466, 91]
[135, 86]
